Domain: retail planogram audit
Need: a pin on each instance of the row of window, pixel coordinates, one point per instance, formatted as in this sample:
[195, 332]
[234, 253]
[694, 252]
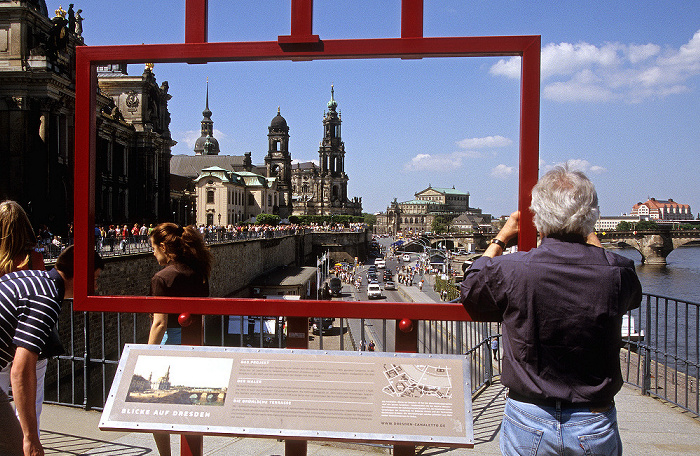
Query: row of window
[235, 198]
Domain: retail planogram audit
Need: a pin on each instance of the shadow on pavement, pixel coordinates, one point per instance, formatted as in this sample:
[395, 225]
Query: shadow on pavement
[56, 443]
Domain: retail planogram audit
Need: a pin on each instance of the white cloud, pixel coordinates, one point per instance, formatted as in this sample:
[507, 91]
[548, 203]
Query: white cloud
[488, 141]
[453, 160]
[189, 137]
[630, 72]
[502, 171]
[576, 164]
[438, 162]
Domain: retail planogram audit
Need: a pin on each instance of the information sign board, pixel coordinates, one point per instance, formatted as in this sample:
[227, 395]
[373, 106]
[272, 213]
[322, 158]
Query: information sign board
[305, 394]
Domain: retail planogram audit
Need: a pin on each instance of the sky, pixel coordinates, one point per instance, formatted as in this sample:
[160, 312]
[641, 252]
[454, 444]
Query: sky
[620, 92]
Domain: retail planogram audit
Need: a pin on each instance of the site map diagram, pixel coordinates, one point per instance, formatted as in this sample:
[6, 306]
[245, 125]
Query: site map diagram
[419, 380]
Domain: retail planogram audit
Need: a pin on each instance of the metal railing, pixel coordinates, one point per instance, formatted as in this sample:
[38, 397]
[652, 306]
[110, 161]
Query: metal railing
[661, 350]
[664, 362]
[140, 244]
[94, 342]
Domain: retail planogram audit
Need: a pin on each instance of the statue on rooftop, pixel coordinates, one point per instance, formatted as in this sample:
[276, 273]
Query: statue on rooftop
[79, 23]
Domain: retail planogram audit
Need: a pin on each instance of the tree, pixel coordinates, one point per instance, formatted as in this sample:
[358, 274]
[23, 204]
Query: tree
[647, 225]
[625, 226]
[438, 226]
[267, 219]
[369, 219]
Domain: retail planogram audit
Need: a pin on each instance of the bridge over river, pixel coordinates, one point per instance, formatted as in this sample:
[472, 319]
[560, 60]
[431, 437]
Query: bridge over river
[654, 245]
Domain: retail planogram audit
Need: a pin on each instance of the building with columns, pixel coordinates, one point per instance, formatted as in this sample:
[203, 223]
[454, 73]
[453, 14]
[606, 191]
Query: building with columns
[230, 189]
[37, 121]
[417, 215]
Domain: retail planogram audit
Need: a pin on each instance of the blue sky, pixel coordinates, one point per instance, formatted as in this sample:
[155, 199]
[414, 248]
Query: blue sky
[619, 98]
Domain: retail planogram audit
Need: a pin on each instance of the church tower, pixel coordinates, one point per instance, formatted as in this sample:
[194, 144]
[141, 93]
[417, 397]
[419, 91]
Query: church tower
[279, 163]
[331, 154]
[206, 144]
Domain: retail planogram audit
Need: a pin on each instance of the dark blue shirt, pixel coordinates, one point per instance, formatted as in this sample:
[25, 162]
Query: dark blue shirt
[561, 305]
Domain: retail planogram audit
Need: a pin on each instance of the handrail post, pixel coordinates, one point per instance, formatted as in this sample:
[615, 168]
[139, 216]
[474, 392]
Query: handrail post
[86, 360]
[646, 366]
[191, 444]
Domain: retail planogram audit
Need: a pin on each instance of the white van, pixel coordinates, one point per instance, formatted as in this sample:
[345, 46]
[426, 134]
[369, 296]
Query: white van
[374, 291]
[380, 263]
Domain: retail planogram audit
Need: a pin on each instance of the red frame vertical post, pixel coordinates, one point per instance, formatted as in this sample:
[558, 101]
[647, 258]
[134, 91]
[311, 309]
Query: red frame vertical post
[302, 24]
[411, 18]
[529, 141]
[196, 21]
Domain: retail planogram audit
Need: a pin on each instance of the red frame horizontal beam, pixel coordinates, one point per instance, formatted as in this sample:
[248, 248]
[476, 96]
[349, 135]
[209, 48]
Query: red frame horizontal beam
[88, 57]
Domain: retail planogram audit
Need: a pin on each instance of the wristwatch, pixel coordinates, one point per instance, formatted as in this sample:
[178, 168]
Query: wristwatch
[499, 243]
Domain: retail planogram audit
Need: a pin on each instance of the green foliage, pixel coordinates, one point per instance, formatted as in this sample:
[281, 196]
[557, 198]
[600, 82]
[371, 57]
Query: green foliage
[647, 225]
[369, 219]
[267, 219]
[625, 226]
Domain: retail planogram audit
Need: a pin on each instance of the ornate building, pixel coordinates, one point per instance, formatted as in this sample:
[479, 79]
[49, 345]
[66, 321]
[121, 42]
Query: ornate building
[231, 189]
[37, 118]
[417, 215]
[218, 189]
[133, 147]
[323, 190]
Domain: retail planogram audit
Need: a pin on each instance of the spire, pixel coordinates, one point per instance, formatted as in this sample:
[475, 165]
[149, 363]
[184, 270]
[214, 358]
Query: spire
[332, 104]
[207, 113]
[207, 144]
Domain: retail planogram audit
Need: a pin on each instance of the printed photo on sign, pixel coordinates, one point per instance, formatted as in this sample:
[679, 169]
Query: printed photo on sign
[177, 380]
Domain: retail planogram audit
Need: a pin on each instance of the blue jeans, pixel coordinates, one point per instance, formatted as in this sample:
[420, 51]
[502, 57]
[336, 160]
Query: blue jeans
[532, 430]
[172, 336]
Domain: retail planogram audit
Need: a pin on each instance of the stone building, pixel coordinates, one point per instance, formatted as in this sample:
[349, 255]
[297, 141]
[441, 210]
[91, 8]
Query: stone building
[662, 210]
[417, 215]
[133, 147]
[323, 189]
[230, 189]
[37, 121]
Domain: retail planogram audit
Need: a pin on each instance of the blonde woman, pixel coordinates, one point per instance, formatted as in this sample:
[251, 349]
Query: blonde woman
[18, 253]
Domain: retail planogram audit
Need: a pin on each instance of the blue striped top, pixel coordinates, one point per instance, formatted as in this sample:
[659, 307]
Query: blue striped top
[30, 302]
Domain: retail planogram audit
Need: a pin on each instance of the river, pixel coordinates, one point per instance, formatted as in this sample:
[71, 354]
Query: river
[679, 279]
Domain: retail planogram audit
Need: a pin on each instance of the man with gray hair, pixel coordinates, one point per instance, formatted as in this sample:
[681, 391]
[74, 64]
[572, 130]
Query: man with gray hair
[561, 305]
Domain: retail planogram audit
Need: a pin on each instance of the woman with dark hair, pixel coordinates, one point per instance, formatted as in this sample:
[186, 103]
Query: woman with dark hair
[187, 262]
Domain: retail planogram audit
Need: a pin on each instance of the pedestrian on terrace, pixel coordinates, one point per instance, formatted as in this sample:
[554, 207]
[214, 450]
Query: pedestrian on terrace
[561, 305]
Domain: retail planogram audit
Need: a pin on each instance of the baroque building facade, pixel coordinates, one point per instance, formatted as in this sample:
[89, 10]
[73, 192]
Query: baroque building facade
[323, 189]
[229, 189]
[37, 120]
[416, 216]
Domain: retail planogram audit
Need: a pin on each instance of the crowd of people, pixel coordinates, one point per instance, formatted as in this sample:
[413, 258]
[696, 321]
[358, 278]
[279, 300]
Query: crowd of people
[119, 239]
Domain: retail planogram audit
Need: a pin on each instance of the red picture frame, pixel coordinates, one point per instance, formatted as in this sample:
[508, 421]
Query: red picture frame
[301, 44]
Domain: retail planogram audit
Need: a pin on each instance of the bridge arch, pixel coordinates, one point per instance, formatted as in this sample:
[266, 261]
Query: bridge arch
[654, 246]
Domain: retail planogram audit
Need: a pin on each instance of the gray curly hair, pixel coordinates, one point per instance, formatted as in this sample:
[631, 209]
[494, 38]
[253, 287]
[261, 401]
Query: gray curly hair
[564, 202]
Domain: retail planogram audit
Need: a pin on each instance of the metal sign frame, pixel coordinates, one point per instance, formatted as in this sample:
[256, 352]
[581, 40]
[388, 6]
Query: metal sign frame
[300, 45]
[320, 374]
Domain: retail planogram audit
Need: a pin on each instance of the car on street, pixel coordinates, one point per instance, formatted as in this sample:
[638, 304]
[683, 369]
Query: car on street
[374, 291]
[406, 257]
[389, 285]
[380, 263]
[335, 284]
